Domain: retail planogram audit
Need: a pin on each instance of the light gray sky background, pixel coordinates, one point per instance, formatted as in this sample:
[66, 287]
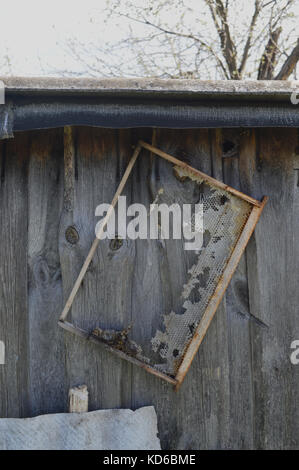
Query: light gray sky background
[34, 34]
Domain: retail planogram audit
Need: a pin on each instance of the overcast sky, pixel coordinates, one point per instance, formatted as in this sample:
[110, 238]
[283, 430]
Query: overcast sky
[34, 34]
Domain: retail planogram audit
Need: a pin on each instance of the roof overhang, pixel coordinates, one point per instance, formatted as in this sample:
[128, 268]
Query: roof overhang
[35, 103]
[152, 88]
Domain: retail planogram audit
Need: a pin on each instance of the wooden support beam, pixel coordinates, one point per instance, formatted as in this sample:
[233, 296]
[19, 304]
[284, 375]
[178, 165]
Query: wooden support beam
[78, 399]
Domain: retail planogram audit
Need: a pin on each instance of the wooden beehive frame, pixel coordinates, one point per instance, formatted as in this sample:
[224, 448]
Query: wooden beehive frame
[222, 285]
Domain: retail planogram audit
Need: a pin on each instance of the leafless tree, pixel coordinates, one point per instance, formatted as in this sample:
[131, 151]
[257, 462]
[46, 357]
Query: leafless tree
[204, 39]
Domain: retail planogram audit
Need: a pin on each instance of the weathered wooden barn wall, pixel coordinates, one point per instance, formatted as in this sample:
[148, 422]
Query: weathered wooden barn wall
[241, 390]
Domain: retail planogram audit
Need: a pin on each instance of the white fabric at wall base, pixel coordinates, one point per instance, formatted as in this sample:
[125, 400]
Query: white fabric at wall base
[96, 430]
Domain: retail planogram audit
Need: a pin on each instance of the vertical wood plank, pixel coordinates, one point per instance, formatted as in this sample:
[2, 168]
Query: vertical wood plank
[104, 298]
[272, 294]
[48, 392]
[237, 307]
[14, 393]
[292, 330]
[213, 354]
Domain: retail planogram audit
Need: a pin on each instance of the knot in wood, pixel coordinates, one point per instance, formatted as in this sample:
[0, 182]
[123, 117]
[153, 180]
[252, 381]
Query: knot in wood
[72, 235]
[116, 243]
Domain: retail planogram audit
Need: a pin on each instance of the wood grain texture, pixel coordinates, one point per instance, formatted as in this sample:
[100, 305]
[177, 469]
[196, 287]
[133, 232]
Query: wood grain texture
[48, 392]
[202, 402]
[69, 150]
[241, 390]
[271, 257]
[238, 316]
[101, 162]
[14, 325]
[78, 399]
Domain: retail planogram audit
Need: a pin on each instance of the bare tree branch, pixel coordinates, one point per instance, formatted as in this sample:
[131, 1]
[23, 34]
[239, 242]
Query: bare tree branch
[182, 35]
[219, 13]
[268, 60]
[247, 47]
[289, 65]
[201, 41]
